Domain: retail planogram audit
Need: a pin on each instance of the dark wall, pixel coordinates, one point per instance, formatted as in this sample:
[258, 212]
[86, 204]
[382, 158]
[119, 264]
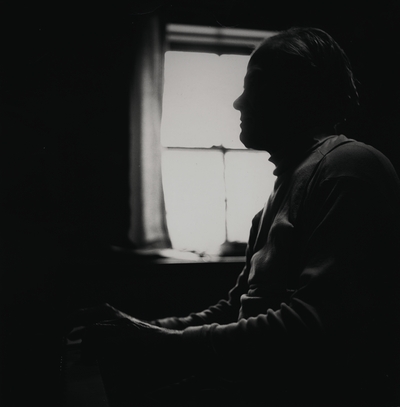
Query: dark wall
[65, 92]
[64, 178]
[64, 146]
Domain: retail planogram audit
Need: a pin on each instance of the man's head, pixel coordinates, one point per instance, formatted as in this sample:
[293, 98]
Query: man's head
[298, 82]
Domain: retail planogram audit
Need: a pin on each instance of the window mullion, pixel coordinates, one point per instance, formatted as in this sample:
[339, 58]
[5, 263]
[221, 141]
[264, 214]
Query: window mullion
[223, 151]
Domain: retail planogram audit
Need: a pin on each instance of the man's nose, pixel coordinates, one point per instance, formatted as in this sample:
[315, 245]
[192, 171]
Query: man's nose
[238, 102]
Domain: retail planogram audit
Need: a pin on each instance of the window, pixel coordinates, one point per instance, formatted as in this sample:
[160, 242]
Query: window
[213, 186]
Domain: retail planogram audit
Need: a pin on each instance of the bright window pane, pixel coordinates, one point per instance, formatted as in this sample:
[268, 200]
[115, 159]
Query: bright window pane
[206, 202]
[194, 197]
[199, 91]
[232, 70]
[249, 182]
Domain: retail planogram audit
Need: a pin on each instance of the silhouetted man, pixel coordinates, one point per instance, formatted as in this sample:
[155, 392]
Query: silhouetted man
[314, 316]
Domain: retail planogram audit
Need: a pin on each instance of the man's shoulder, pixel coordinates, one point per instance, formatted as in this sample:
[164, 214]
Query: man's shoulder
[340, 147]
[349, 157]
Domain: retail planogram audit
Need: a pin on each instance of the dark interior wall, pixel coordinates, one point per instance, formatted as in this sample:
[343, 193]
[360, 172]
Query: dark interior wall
[64, 145]
[64, 178]
[65, 93]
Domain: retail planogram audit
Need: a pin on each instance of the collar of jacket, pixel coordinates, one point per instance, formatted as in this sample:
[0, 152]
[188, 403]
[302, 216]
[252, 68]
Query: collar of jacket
[299, 148]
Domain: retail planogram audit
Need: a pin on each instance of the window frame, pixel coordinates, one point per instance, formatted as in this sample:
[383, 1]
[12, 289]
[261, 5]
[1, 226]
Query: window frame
[220, 40]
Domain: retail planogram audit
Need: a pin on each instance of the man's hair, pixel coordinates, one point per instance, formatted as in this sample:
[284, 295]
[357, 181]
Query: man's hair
[315, 70]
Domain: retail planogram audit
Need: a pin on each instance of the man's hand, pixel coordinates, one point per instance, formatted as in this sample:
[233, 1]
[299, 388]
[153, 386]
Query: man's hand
[134, 331]
[79, 320]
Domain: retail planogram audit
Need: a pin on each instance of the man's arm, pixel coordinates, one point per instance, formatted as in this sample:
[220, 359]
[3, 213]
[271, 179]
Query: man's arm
[225, 311]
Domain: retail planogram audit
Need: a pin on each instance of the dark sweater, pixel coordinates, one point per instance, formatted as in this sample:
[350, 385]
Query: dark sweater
[320, 285]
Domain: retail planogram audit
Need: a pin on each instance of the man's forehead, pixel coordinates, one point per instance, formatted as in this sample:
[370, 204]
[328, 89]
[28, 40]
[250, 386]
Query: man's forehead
[254, 71]
[270, 68]
[256, 75]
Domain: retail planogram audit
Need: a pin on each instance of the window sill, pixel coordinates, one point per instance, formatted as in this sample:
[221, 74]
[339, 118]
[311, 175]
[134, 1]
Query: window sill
[203, 259]
[171, 256]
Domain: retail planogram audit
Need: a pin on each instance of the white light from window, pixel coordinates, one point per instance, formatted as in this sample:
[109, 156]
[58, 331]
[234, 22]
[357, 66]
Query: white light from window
[210, 197]
[195, 199]
[249, 182]
[199, 91]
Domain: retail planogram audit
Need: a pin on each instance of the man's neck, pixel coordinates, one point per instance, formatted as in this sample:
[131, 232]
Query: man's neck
[294, 148]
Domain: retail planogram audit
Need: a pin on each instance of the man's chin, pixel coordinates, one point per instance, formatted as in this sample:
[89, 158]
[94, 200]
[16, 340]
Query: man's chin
[249, 142]
[245, 140]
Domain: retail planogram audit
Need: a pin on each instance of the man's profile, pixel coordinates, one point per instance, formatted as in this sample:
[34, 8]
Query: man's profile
[314, 317]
